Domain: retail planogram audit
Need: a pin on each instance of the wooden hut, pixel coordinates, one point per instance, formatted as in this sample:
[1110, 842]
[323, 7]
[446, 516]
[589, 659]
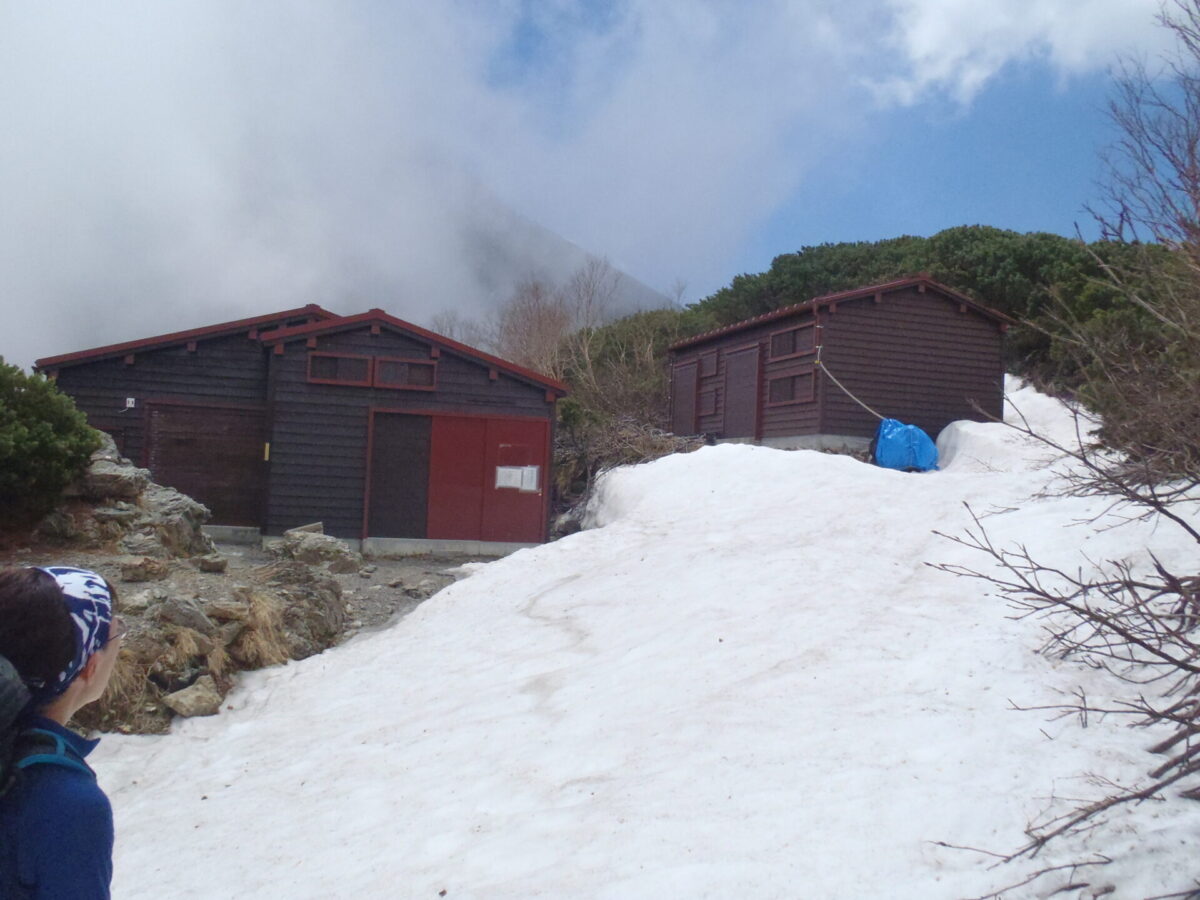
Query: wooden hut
[384, 431]
[913, 350]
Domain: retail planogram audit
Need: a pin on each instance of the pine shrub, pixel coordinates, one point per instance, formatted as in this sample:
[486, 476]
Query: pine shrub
[44, 443]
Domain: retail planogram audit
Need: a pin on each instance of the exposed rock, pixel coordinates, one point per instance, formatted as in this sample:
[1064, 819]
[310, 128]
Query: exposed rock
[138, 544]
[227, 610]
[121, 513]
[110, 475]
[184, 612]
[311, 528]
[211, 563]
[116, 502]
[137, 569]
[139, 602]
[177, 519]
[230, 632]
[314, 548]
[201, 699]
[344, 565]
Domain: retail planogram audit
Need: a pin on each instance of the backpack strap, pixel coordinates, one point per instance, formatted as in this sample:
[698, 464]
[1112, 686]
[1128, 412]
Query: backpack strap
[37, 746]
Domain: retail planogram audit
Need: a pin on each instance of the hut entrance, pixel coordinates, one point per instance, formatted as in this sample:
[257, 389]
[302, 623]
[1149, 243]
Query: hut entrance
[741, 393]
[466, 478]
[683, 398]
[211, 453]
[399, 498]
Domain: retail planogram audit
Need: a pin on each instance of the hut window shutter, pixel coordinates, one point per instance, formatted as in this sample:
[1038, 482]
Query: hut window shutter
[331, 368]
[411, 374]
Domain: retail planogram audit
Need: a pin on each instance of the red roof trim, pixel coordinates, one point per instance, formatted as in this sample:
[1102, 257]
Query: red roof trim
[378, 316]
[828, 299]
[179, 337]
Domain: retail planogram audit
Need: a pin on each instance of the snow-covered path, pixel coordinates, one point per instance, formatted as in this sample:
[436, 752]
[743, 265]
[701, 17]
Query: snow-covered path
[742, 682]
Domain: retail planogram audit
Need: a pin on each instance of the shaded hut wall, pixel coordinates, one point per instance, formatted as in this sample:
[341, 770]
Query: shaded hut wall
[229, 370]
[914, 357]
[782, 420]
[318, 466]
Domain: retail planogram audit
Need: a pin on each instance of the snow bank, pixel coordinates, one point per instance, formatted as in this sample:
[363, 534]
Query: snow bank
[743, 681]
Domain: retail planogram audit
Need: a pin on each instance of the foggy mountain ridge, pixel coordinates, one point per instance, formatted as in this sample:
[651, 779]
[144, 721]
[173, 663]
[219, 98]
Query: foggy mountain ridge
[496, 249]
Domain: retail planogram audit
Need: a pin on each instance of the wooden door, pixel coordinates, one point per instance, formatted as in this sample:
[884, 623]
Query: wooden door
[517, 451]
[213, 454]
[488, 479]
[398, 500]
[741, 393]
[456, 478]
[683, 398]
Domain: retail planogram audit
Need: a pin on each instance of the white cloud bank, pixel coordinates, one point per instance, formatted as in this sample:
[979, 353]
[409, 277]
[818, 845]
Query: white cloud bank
[170, 165]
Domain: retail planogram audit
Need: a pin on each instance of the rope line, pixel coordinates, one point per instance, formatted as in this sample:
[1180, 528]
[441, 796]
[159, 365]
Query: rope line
[824, 368]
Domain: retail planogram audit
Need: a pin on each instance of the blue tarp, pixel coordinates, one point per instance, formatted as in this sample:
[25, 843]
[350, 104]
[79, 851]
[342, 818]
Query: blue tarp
[904, 447]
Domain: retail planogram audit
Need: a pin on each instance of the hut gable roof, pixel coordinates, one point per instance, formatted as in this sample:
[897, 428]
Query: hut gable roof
[385, 320]
[919, 281]
[181, 337]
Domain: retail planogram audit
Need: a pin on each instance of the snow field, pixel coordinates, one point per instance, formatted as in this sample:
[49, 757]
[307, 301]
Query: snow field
[741, 681]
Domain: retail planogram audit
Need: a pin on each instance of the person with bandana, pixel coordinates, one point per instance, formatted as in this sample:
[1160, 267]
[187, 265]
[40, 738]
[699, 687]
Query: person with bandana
[59, 641]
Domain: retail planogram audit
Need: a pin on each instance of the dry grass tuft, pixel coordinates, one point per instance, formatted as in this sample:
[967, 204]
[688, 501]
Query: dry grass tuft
[262, 643]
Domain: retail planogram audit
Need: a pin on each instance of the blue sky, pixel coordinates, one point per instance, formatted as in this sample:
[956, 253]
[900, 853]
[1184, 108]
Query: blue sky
[171, 165]
[1023, 155]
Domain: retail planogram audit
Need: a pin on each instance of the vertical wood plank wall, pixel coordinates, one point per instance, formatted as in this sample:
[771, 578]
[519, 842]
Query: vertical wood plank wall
[774, 421]
[229, 369]
[318, 455]
[914, 357]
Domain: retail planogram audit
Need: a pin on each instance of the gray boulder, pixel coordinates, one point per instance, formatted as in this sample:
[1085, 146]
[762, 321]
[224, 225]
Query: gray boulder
[202, 698]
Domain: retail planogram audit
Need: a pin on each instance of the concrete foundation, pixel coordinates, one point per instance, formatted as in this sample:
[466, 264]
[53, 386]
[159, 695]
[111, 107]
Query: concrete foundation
[383, 548]
[841, 442]
[396, 547]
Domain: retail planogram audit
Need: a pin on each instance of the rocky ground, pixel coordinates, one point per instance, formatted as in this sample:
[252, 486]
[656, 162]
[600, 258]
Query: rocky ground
[199, 612]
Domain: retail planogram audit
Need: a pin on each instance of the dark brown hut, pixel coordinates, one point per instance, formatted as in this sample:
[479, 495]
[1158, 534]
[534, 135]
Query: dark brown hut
[913, 350]
[377, 427]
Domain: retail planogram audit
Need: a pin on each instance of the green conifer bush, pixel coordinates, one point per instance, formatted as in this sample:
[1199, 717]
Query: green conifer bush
[44, 443]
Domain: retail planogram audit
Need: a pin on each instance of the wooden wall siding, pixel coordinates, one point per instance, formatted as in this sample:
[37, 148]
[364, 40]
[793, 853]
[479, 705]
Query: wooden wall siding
[913, 357]
[226, 370]
[774, 421]
[319, 431]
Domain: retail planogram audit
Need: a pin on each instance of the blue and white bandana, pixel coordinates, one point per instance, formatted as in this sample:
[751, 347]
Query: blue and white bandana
[90, 603]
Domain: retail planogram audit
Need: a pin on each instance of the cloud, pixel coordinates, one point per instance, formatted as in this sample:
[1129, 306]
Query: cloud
[956, 46]
[164, 166]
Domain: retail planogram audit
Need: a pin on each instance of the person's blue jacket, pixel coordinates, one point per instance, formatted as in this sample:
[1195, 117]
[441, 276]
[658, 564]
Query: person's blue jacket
[56, 828]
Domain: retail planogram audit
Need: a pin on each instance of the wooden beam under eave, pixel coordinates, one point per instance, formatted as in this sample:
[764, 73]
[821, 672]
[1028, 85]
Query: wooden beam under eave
[129, 359]
[375, 328]
[311, 343]
[279, 349]
[878, 296]
[191, 346]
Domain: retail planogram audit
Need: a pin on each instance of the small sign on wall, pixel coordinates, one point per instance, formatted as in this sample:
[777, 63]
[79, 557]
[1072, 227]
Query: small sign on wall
[518, 478]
